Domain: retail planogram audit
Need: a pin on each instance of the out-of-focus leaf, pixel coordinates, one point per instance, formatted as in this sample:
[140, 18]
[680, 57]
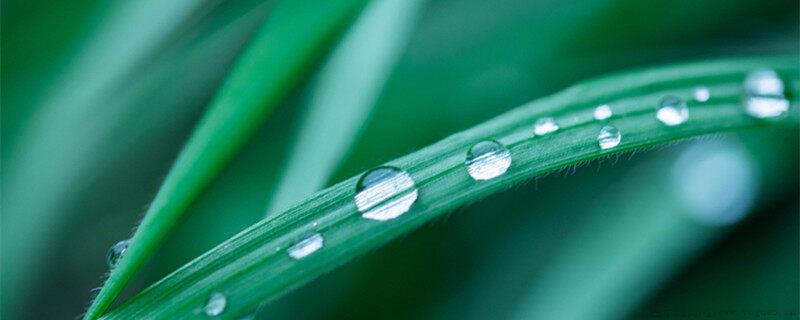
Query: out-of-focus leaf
[342, 97]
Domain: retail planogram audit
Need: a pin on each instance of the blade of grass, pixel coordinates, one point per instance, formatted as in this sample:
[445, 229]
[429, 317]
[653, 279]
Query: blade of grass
[247, 183]
[292, 38]
[344, 93]
[252, 267]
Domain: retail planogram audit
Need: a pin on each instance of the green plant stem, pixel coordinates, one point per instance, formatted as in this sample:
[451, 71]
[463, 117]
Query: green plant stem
[276, 60]
[253, 266]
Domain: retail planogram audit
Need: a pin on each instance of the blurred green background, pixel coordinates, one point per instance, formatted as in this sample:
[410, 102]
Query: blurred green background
[98, 96]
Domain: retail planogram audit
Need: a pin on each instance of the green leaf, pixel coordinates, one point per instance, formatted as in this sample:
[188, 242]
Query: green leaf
[252, 266]
[275, 61]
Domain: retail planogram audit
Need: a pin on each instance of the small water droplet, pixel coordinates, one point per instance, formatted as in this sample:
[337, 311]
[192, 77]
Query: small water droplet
[609, 137]
[701, 94]
[306, 246]
[215, 304]
[602, 112]
[385, 193]
[764, 97]
[487, 159]
[544, 126]
[672, 111]
[116, 251]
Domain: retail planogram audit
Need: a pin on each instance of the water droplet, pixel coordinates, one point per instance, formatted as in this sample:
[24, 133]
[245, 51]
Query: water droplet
[215, 305]
[764, 96]
[609, 137]
[602, 112]
[701, 94]
[544, 126]
[672, 111]
[306, 246]
[116, 251]
[487, 159]
[385, 193]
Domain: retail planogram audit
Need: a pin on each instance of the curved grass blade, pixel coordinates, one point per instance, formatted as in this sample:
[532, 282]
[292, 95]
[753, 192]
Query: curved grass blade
[292, 38]
[254, 266]
[345, 91]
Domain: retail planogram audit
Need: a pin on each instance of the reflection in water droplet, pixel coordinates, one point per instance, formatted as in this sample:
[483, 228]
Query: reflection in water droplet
[487, 160]
[306, 246]
[116, 251]
[544, 126]
[701, 94]
[609, 137]
[716, 181]
[764, 95]
[215, 305]
[672, 111]
[385, 193]
[602, 112]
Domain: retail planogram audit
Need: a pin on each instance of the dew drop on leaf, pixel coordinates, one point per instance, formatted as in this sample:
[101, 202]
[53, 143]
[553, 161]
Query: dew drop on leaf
[701, 94]
[602, 112]
[764, 97]
[215, 305]
[672, 111]
[544, 126]
[487, 160]
[385, 193]
[609, 137]
[116, 251]
[306, 246]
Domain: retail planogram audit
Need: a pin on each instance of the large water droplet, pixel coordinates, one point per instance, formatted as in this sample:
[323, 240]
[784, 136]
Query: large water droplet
[544, 126]
[306, 246]
[672, 111]
[602, 112]
[609, 137]
[385, 193]
[487, 159]
[215, 305]
[764, 95]
[116, 251]
[701, 94]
